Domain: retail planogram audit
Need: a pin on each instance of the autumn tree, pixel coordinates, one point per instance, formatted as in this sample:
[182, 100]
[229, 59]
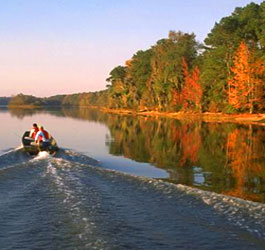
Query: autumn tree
[244, 23]
[245, 88]
[166, 63]
[191, 91]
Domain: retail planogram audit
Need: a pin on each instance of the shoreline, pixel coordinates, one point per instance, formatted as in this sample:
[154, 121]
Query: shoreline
[258, 119]
[26, 106]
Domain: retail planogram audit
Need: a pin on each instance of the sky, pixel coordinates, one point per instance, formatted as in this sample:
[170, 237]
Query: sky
[50, 47]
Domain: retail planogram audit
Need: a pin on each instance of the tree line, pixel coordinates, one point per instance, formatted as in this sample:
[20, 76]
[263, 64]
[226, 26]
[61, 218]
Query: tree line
[4, 101]
[226, 73]
[80, 99]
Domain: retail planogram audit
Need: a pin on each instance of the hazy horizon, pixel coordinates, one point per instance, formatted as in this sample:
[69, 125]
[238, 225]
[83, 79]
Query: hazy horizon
[62, 47]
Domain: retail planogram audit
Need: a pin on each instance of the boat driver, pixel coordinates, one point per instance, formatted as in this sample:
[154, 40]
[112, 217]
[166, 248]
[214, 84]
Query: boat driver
[42, 137]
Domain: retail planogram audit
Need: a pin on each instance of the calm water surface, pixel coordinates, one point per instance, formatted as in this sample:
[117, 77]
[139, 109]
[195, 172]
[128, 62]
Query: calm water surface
[124, 182]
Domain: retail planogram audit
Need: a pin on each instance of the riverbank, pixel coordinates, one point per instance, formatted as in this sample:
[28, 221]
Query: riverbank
[207, 116]
[258, 119]
[25, 106]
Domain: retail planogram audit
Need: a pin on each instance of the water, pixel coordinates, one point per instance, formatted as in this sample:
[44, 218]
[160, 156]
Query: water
[100, 192]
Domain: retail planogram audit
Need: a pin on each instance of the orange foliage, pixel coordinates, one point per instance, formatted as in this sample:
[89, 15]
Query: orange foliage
[243, 153]
[191, 91]
[128, 63]
[188, 138]
[191, 142]
[176, 97]
[245, 88]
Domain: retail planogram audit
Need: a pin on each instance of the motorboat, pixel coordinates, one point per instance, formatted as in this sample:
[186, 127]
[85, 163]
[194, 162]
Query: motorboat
[33, 148]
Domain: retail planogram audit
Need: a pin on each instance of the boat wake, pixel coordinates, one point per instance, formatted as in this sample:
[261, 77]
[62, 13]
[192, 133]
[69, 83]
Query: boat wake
[13, 157]
[71, 201]
[42, 155]
[17, 156]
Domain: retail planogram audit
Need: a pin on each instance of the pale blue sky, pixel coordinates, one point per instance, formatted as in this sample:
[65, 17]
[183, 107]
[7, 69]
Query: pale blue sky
[50, 47]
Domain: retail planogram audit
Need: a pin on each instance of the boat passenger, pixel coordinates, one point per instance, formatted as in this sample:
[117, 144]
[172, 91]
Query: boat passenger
[42, 137]
[34, 131]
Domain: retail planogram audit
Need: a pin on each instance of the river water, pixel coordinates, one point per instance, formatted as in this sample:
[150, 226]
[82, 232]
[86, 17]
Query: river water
[124, 182]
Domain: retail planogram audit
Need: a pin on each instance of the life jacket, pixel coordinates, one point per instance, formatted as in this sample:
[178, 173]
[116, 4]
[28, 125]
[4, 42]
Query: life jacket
[36, 130]
[46, 135]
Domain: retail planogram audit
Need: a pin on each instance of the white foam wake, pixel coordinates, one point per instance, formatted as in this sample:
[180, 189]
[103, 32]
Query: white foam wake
[245, 214]
[12, 150]
[42, 155]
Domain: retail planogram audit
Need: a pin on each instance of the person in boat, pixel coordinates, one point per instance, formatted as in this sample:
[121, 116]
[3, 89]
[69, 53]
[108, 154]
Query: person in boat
[34, 130]
[42, 137]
